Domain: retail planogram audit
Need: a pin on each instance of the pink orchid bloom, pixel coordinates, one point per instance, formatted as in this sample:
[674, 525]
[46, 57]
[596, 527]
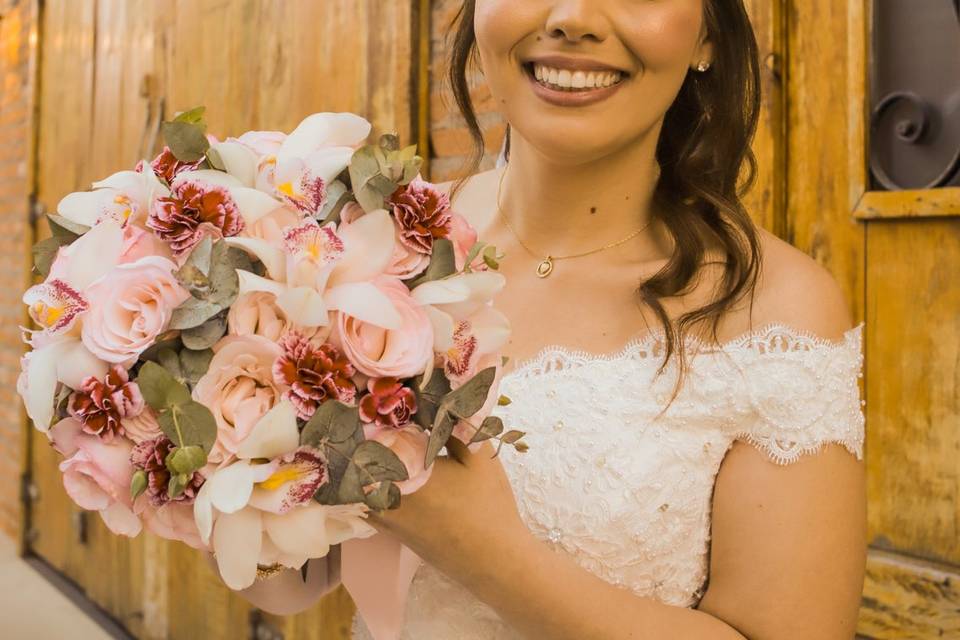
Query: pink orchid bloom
[263, 513]
[321, 269]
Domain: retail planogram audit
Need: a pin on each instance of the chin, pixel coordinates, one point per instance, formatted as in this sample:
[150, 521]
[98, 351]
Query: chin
[572, 145]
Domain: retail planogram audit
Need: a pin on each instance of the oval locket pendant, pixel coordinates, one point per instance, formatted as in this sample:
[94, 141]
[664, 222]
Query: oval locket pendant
[545, 268]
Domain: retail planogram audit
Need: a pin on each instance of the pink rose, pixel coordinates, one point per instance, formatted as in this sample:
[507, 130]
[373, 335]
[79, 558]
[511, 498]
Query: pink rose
[172, 521]
[463, 236]
[257, 313]
[97, 475]
[410, 445]
[129, 307]
[143, 426]
[140, 243]
[238, 389]
[270, 227]
[380, 352]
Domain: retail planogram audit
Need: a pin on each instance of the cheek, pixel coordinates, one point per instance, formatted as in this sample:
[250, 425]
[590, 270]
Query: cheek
[663, 35]
[499, 26]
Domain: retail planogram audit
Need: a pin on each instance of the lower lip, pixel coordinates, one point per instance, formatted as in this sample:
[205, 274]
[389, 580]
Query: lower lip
[576, 98]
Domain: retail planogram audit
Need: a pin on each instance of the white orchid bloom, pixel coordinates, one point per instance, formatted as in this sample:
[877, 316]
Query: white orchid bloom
[466, 327]
[320, 269]
[251, 203]
[260, 509]
[56, 305]
[124, 197]
[297, 168]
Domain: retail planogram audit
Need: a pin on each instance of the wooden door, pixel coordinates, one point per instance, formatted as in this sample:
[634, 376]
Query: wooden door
[111, 70]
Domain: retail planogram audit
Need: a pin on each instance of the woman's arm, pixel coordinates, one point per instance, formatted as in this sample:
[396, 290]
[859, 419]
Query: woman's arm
[786, 563]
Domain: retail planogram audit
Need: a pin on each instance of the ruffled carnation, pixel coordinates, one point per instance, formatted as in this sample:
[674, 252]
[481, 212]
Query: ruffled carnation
[181, 219]
[150, 456]
[102, 405]
[313, 373]
[167, 166]
[388, 403]
[423, 214]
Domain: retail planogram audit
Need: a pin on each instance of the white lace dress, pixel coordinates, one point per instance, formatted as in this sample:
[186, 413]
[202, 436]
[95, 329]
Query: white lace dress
[628, 494]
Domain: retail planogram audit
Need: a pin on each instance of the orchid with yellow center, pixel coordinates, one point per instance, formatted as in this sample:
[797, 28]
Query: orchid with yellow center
[57, 305]
[260, 510]
[321, 269]
[466, 327]
[124, 197]
[297, 168]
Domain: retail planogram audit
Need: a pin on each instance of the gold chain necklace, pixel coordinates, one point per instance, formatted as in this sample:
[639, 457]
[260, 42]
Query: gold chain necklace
[545, 267]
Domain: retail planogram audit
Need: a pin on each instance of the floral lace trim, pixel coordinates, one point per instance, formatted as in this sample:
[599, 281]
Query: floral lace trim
[771, 337]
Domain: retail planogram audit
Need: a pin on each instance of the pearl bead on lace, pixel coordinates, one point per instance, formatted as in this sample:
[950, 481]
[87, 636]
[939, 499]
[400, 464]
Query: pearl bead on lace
[554, 535]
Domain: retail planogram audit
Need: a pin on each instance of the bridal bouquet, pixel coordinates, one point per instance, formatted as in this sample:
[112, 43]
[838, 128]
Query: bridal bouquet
[247, 344]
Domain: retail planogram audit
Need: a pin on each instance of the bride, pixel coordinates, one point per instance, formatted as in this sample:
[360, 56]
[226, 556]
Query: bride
[687, 382]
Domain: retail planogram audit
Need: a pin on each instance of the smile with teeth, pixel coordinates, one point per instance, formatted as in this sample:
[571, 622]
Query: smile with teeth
[574, 80]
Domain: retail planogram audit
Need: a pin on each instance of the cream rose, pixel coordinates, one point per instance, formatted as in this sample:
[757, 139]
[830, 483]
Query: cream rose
[129, 307]
[238, 389]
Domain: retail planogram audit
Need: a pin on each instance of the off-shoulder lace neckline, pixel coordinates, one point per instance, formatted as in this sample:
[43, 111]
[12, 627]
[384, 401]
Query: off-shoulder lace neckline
[646, 344]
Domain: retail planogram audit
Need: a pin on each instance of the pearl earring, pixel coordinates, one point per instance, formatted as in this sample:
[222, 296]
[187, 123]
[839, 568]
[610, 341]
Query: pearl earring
[703, 66]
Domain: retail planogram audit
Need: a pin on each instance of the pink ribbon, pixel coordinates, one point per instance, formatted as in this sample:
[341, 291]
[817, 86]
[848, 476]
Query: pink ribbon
[377, 571]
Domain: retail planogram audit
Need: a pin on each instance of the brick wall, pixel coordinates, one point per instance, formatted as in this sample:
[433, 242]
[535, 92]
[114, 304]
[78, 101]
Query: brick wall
[449, 139]
[17, 23]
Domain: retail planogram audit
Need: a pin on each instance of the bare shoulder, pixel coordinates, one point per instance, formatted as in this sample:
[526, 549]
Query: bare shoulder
[795, 290]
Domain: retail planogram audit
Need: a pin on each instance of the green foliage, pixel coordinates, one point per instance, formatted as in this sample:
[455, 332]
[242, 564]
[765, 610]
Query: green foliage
[184, 421]
[186, 135]
[215, 287]
[442, 263]
[376, 171]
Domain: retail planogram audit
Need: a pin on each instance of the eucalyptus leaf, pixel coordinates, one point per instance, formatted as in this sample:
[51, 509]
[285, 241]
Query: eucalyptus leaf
[170, 361]
[213, 157]
[206, 335]
[64, 227]
[429, 399]
[138, 484]
[45, 252]
[351, 486]
[333, 421]
[187, 140]
[442, 429]
[365, 168]
[468, 398]
[386, 496]
[194, 364]
[335, 191]
[512, 436]
[379, 462]
[224, 262]
[159, 388]
[194, 274]
[503, 401]
[472, 254]
[186, 459]
[410, 169]
[177, 484]
[389, 142]
[193, 313]
[443, 263]
[490, 258]
[192, 116]
[491, 427]
[408, 153]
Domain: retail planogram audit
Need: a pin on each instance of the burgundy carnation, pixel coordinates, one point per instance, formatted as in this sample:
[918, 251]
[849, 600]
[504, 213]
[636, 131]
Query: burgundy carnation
[388, 403]
[150, 456]
[423, 214]
[313, 373]
[167, 166]
[178, 219]
[101, 406]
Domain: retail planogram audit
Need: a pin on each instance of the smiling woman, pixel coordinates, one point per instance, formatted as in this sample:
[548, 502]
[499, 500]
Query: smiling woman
[687, 382]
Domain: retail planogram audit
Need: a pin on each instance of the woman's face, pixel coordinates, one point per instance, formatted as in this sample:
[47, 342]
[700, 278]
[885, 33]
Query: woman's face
[608, 69]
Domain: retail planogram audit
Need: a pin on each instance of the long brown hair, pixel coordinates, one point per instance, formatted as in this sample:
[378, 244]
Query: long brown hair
[703, 145]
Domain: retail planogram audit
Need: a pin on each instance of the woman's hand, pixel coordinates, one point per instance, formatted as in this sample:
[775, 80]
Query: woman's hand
[463, 517]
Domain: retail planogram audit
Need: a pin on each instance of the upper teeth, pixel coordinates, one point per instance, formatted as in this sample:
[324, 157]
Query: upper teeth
[570, 79]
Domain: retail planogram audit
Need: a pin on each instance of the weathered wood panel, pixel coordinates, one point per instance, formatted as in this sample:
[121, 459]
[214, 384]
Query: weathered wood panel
[826, 79]
[913, 400]
[908, 599]
[923, 203]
